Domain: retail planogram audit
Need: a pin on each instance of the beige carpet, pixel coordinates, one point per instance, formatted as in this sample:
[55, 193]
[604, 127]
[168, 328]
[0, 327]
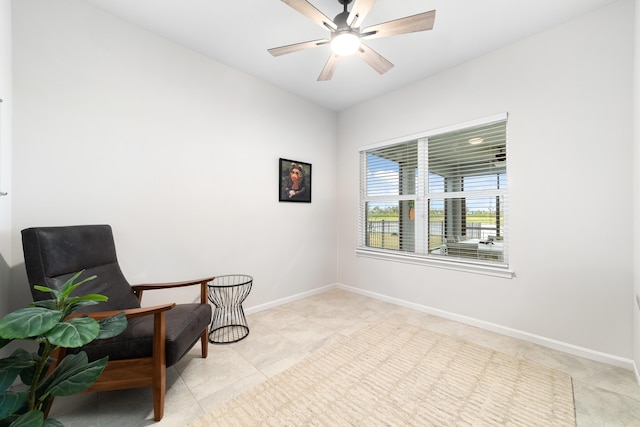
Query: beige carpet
[395, 374]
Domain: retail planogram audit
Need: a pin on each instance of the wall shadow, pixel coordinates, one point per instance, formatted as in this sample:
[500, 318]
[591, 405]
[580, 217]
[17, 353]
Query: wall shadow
[5, 283]
[19, 293]
[14, 287]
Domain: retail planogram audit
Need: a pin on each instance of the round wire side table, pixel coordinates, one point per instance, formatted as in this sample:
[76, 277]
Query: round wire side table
[226, 293]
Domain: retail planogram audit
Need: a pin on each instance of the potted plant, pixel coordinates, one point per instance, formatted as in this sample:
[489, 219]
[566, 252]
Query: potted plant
[53, 325]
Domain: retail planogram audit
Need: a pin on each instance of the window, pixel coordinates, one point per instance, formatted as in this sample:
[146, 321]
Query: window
[440, 195]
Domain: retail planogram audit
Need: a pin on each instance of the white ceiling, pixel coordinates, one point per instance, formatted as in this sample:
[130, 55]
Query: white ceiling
[239, 32]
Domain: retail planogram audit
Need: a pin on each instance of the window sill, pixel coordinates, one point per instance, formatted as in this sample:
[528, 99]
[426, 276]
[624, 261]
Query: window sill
[469, 267]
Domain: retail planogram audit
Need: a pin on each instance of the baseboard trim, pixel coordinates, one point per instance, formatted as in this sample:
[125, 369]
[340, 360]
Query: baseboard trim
[286, 300]
[514, 333]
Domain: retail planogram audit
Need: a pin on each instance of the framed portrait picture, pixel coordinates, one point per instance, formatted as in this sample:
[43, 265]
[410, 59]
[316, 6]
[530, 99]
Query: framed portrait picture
[294, 181]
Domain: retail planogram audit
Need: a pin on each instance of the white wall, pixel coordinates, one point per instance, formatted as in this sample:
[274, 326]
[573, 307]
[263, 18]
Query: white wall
[5, 152]
[636, 193]
[178, 152]
[567, 92]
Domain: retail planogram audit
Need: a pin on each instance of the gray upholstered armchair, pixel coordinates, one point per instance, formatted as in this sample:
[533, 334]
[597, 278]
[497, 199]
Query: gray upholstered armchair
[156, 337]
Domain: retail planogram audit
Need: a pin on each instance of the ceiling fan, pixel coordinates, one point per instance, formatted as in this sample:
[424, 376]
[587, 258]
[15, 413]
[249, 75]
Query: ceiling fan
[346, 37]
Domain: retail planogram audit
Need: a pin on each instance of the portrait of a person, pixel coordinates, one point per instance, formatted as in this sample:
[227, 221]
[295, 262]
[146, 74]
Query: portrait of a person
[294, 184]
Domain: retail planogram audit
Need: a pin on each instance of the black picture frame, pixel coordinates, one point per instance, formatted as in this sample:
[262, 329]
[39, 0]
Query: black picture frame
[290, 188]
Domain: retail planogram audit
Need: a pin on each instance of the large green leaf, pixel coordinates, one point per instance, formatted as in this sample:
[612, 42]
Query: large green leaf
[71, 308]
[46, 290]
[89, 297]
[112, 326]
[28, 322]
[33, 418]
[74, 374]
[10, 402]
[74, 333]
[49, 304]
[7, 377]
[12, 366]
[69, 286]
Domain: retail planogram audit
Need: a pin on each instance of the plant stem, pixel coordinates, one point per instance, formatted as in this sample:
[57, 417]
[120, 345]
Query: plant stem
[35, 382]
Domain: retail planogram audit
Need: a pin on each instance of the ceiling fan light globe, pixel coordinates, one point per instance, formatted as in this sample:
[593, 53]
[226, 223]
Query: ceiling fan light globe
[345, 44]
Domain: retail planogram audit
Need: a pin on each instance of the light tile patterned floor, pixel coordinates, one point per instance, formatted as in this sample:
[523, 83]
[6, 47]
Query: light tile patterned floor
[280, 337]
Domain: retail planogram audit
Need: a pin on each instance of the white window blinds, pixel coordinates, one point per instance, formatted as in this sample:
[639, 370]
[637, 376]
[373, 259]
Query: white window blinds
[441, 194]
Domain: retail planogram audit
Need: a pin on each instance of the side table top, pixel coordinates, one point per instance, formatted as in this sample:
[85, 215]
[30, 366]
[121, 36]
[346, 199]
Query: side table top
[229, 280]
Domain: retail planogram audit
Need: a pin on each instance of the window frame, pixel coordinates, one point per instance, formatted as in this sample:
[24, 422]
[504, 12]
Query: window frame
[420, 254]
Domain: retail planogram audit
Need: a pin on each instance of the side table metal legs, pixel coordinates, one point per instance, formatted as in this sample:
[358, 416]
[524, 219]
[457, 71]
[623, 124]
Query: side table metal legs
[227, 293]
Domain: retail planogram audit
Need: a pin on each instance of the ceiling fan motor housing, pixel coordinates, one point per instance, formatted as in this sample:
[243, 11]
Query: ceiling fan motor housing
[341, 20]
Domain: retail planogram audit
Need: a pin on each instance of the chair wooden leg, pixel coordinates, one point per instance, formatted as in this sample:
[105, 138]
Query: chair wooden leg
[159, 366]
[204, 341]
[158, 401]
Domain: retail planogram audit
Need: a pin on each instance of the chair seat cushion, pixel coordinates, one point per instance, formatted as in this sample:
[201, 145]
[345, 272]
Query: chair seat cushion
[183, 323]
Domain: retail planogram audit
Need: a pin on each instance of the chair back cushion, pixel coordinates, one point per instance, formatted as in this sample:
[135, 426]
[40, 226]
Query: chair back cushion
[54, 254]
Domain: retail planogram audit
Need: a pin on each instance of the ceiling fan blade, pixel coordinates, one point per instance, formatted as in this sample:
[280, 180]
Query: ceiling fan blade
[283, 50]
[358, 12]
[329, 68]
[410, 24]
[310, 11]
[373, 58]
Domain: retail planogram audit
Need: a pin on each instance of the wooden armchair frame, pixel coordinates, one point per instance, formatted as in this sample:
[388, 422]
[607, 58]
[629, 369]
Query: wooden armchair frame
[146, 371]
[53, 254]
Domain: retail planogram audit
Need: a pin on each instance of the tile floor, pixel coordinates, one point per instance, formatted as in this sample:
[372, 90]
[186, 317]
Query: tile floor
[280, 337]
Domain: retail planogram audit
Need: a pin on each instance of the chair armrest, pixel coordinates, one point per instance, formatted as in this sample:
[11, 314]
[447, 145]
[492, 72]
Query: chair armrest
[168, 285]
[139, 289]
[131, 312]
